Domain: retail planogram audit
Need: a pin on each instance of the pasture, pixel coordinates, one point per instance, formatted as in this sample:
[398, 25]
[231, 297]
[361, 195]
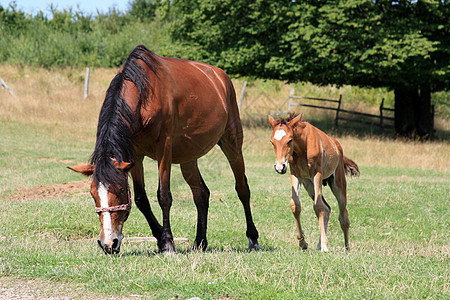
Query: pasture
[398, 209]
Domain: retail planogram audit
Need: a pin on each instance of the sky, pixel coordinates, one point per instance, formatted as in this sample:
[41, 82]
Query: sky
[87, 6]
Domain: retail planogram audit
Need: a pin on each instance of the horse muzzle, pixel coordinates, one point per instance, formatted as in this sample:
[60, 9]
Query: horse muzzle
[110, 247]
[280, 168]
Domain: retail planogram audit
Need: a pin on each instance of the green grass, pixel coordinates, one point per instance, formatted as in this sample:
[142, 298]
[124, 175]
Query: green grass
[399, 232]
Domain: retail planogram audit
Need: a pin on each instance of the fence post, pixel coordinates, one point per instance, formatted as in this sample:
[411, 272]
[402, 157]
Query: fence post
[337, 111]
[381, 113]
[291, 94]
[241, 99]
[3, 84]
[86, 84]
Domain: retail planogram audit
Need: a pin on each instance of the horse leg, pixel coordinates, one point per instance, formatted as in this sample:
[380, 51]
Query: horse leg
[321, 208]
[339, 188]
[296, 210]
[200, 192]
[141, 200]
[231, 145]
[164, 194]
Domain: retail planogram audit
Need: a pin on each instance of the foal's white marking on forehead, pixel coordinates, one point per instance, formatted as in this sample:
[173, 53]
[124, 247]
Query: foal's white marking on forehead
[103, 194]
[279, 134]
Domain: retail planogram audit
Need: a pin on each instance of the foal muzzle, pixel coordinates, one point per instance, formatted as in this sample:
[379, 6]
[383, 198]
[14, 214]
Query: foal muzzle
[280, 168]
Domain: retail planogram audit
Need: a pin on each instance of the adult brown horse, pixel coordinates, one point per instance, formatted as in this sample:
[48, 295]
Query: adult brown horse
[314, 159]
[173, 111]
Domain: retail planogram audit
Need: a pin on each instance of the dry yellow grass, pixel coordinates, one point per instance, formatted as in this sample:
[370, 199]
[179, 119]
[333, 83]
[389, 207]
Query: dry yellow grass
[54, 100]
[398, 153]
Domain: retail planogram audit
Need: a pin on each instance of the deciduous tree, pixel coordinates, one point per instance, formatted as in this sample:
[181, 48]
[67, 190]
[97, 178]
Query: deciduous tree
[403, 45]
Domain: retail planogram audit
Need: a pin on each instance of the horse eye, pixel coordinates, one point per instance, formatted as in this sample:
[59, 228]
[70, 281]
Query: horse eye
[290, 141]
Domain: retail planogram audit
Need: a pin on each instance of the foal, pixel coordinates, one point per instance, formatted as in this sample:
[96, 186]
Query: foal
[314, 159]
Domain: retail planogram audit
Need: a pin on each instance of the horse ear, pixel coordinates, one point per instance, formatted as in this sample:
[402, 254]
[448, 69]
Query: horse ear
[86, 170]
[295, 120]
[272, 121]
[124, 166]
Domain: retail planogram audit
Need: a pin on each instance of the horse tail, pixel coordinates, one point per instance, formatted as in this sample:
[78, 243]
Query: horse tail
[350, 167]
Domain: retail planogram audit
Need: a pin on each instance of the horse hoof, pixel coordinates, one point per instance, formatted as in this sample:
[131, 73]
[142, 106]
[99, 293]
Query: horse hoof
[253, 245]
[200, 246]
[169, 247]
[323, 249]
[303, 245]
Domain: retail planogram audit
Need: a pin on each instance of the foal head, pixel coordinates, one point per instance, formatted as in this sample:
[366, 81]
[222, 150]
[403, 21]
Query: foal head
[112, 203]
[283, 140]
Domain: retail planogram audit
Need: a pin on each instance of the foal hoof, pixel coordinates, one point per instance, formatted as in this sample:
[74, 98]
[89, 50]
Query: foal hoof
[322, 248]
[303, 245]
[253, 245]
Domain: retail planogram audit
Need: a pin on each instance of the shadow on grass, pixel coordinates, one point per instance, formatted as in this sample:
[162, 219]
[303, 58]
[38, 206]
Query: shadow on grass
[150, 253]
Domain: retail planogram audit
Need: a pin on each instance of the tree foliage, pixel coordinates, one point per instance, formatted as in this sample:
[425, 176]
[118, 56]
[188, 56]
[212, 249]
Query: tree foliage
[360, 42]
[69, 37]
[402, 45]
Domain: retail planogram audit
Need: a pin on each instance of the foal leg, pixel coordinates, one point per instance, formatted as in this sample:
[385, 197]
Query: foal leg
[141, 200]
[296, 210]
[200, 192]
[339, 188]
[322, 211]
[231, 145]
[321, 208]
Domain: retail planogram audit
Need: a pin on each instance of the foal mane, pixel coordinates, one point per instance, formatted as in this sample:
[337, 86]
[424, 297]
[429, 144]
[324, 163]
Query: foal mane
[285, 121]
[117, 122]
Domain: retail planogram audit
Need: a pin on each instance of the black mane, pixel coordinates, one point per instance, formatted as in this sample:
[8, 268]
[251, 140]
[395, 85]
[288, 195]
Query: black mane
[117, 122]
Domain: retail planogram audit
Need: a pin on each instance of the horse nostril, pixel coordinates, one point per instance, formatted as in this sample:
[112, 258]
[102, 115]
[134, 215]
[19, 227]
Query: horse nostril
[103, 247]
[115, 244]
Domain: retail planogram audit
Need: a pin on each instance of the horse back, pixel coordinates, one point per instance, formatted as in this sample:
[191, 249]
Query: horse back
[323, 152]
[192, 103]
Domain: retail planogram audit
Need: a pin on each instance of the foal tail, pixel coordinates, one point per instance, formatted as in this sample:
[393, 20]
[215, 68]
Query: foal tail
[350, 167]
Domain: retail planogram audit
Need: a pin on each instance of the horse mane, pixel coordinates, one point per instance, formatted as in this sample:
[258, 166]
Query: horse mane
[117, 122]
[284, 121]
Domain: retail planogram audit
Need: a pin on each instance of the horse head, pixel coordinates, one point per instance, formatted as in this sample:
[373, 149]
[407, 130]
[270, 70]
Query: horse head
[282, 140]
[112, 203]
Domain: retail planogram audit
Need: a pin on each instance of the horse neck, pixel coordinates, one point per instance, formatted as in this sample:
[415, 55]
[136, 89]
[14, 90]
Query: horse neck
[130, 95]
[301, 135]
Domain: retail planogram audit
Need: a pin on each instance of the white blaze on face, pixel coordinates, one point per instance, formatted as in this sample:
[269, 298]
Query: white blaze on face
[279, 134]
[103, 194]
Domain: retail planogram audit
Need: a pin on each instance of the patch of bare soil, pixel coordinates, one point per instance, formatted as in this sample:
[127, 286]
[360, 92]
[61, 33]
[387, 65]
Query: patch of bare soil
[13, 288]
[51, 191]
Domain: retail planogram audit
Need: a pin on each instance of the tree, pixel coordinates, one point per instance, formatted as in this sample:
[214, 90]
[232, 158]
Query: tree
[402, 45]
[144, 9]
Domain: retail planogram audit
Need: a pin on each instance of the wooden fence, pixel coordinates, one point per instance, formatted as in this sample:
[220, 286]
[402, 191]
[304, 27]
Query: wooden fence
[379, 120]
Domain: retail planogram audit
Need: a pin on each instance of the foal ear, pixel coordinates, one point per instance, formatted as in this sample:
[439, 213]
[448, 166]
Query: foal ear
[295, 120]
[124, 166]
[272, 121]
[86, 170]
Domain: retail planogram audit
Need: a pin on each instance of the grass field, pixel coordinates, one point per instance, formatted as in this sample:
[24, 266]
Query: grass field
[398, 208]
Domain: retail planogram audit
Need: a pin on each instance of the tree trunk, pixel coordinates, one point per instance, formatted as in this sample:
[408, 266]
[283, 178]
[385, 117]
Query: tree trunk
[424, 114]
[404, 111]
[413, 112]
